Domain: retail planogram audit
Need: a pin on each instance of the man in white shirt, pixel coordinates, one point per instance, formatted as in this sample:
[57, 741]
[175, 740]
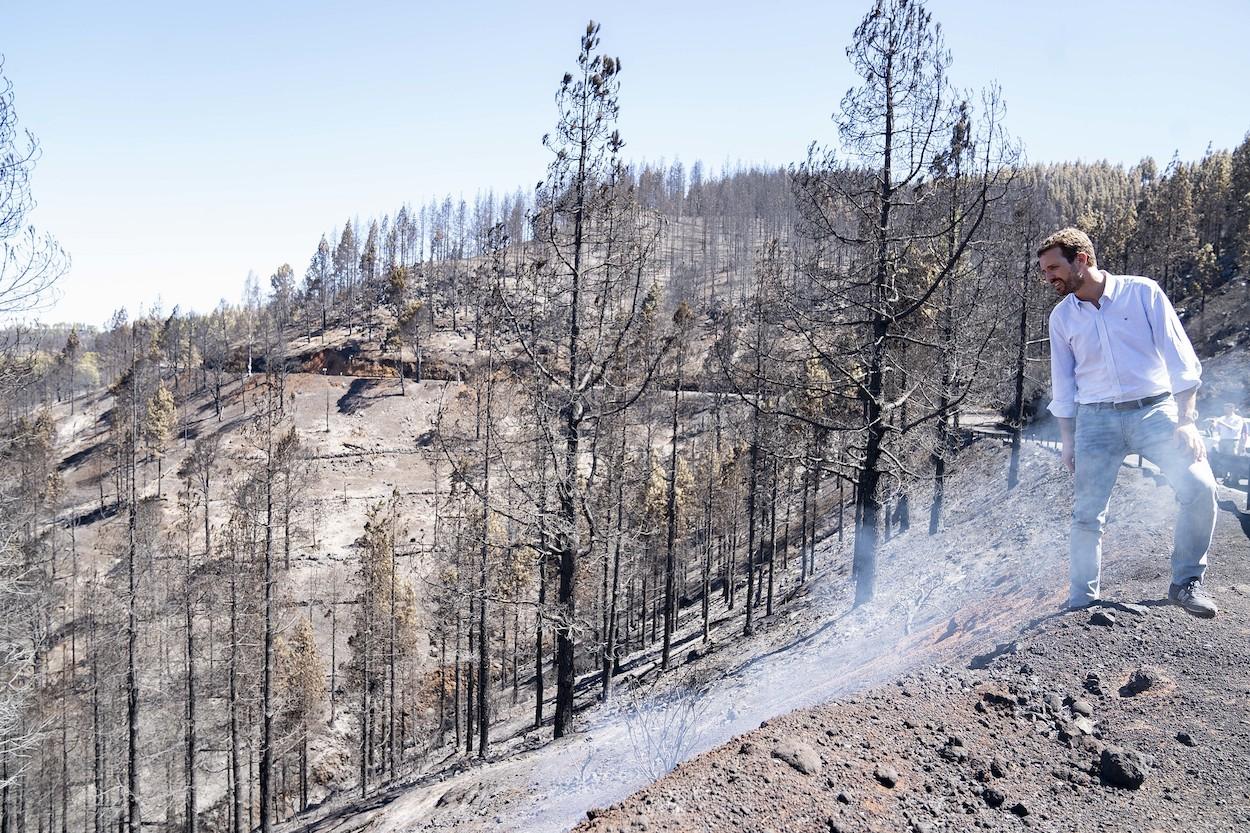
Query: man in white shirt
[1228, 429]
[1124, 376]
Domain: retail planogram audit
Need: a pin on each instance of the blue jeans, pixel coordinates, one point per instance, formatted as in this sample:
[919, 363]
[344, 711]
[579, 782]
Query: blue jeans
[1104, 437]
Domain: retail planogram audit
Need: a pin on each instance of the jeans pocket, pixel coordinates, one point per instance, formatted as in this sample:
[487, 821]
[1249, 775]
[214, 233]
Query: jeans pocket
[1096, 431]
[1157, 428]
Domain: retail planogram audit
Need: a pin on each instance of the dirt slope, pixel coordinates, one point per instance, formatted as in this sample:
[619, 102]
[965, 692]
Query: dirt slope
[989, 586]
[1133, 717]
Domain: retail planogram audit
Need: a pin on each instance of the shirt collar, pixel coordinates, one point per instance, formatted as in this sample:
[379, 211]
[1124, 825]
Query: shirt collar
[1112, 288]
[1109, 291]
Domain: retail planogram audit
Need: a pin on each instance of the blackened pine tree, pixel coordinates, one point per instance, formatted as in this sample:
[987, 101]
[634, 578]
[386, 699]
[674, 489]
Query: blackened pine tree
[30, 262]
[368, 276]
[345, 272]
[592, 243]
[1026, 229]
[871, 263]
[682, 318]
[317, 284]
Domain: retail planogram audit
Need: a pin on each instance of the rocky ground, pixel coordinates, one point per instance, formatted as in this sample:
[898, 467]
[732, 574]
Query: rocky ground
[1133, 716]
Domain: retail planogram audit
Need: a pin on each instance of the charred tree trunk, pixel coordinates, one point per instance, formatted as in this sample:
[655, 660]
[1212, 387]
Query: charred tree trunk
[610, 636]
[189, 825]
[670, 550]
[267, 707]
[1017, 405]
[134, 818]
[236, 763]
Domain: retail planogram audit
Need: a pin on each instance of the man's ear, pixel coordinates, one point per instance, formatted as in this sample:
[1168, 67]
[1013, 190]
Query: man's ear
[1081, 259]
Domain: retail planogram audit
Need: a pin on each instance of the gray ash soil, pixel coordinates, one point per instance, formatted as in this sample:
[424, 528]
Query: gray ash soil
[981, 600]
[1133, 716]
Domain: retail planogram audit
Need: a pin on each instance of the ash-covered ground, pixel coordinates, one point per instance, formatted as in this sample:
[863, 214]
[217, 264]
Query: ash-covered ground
[1133, 716]
[962, 669]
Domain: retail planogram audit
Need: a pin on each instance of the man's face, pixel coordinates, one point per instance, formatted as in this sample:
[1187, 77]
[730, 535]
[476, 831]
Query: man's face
[1066, 277]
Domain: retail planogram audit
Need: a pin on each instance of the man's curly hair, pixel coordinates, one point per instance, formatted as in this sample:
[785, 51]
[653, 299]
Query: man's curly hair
[1070, 241]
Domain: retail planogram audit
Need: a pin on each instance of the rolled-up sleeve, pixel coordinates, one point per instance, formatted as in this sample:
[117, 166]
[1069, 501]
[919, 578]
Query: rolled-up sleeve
[1062, 372]
[1184, 369]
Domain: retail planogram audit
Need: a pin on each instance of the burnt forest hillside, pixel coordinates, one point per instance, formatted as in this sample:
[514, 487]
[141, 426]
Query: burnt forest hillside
[368, 497]
[495, 512]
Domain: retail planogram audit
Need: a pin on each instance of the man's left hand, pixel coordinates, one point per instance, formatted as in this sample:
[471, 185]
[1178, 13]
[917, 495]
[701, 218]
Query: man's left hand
[1189, 440]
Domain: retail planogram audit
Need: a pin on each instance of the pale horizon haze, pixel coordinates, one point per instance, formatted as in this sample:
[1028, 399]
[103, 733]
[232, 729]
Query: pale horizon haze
[184, 146]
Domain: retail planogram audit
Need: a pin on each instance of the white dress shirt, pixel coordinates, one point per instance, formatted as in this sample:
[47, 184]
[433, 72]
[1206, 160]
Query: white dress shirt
[1129, 347]
[1229, 427]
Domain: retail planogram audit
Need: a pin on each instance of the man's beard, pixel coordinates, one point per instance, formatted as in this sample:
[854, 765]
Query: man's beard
[1068, 284]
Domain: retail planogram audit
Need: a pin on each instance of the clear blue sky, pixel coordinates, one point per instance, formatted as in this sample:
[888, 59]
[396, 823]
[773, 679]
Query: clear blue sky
[184, 144]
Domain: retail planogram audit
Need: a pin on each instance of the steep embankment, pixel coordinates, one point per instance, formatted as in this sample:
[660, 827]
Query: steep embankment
[1132, 717]
[996, 570]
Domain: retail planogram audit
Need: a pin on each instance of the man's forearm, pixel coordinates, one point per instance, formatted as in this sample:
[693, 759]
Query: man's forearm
[1067, 429]
[1185, 406]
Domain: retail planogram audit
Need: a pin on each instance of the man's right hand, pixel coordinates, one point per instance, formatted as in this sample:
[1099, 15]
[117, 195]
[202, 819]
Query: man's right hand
[1067, 439]
[1067, 456]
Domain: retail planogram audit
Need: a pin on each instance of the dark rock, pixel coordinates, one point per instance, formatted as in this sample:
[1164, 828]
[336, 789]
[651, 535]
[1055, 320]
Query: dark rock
[1019, 809]
[748, 748]
[595, 812]
[1083, 707]
[1186, 738]
[998, 768]
[798, 755]
[1067, 730]
[1093, 746]
[999, 699]
[843, 798]
[1122, 768]
[1102, 617]
[993, 797]
[1143, 679]
[462, 794]
[1093, 684]
[887, 776]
